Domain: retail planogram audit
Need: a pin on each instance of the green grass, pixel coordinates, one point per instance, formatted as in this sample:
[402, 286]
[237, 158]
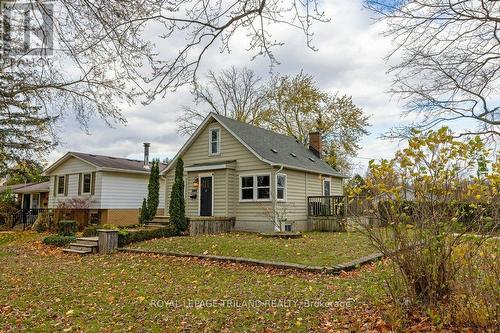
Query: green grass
[47, 292]
[314, 248]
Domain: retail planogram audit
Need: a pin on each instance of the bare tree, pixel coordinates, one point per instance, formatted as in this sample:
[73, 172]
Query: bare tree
[97, 57]
[234, 93]
[447, 56]
[295, 106]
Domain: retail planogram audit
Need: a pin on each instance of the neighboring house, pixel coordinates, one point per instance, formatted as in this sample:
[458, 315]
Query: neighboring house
[30, 195]
[99, 188]
[235, 170]
[33, 196]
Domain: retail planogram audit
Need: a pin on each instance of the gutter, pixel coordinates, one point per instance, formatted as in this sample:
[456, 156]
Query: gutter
[277, 224]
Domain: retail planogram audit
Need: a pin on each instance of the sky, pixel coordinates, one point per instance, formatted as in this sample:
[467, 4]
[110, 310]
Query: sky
[349, 60]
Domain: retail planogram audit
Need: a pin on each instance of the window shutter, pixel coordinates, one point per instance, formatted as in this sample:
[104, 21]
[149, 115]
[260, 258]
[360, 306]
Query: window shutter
[79, 184]
[55, 186]
[66, 178]
[92, 187]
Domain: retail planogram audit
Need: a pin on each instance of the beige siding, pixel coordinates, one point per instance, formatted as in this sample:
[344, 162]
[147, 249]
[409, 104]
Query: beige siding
[250, 216]
[231, 149]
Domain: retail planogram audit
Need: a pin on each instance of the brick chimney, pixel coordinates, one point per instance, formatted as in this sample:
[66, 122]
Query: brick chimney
[146, 154]
[315, 144]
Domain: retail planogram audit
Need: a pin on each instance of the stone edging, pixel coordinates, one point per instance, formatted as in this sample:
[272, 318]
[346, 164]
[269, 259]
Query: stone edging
[336, 269]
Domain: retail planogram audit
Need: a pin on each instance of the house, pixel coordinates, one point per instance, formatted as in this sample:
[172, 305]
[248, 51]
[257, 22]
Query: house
[32, 198]
[260, 178]
[100, 189]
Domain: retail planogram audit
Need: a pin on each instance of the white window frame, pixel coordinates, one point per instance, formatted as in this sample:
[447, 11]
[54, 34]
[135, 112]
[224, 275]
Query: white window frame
[256, 185]
[64, 187]
[210, 153]
[255, 188]
[329, 180]
[83, 182]
[241, 188]
[285, 188]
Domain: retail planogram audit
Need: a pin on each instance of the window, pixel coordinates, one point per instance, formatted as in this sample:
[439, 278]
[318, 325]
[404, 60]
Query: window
[263, 187]
[60, 184]
[326, 186]
[214, 141]
[87, 182]
[281, 186]
[247, 188]
[256, 187]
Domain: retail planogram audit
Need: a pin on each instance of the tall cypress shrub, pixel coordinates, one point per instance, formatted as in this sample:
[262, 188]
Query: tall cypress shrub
[153, 190]
[143, 212]
[176, 208]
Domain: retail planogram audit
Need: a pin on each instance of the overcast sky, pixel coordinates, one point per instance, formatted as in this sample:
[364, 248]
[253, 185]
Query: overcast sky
[349, 60]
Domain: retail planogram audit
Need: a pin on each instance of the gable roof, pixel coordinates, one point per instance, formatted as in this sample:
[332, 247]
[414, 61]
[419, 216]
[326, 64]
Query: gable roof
[106, 163]
[262, 142]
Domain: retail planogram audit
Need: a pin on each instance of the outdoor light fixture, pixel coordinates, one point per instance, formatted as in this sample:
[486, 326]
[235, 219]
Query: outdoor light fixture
[196, 183]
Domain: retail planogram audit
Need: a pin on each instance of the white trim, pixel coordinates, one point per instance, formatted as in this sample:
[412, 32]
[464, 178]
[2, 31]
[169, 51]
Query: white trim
[210, 153]
[214, 116]
[285, 188]
[328, 179]
[206, 175]
[208, 167]
[255, 187]
[83, 182]
[57, 163]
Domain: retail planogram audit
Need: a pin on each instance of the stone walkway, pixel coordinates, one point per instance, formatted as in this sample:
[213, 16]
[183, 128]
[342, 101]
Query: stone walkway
[336, 269]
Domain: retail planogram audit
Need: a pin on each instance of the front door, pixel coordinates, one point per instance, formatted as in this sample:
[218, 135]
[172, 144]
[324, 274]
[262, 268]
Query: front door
[206, 196]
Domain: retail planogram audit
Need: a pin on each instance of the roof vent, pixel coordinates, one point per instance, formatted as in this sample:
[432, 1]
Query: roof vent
[92, 155]
[311, 159]
[274, 150]
[293, 154]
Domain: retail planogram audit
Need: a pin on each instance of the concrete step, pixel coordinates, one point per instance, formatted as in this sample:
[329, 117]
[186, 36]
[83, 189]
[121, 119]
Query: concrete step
[83, 248]
[161, 219]
[155, 225]
[77, 251]
[92, 241]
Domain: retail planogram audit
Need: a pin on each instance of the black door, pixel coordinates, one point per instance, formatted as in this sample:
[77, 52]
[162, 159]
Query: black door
[206, 196]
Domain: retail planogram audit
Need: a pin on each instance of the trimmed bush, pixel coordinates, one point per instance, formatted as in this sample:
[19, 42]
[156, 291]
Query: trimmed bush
[58, 240]
[126, 237]
[66, 228]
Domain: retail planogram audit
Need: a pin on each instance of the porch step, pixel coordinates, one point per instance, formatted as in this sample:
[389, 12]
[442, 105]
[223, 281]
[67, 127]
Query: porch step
[78, 251]
[161, 219]
[155, 225]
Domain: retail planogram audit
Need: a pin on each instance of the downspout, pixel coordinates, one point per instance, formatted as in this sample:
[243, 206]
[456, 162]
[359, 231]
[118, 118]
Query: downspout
[277, 224]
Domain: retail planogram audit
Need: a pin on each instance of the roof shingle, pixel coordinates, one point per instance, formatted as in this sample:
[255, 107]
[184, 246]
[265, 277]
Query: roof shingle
[277, 148]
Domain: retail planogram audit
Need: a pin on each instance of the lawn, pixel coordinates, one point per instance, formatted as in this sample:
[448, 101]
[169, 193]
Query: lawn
[44, 290]
[314, 248]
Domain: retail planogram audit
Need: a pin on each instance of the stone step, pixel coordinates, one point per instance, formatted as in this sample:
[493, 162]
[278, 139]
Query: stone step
[77, 251]
[160, 219]
[84, 245]
[92, 241]
[81, 247]
[155, 225]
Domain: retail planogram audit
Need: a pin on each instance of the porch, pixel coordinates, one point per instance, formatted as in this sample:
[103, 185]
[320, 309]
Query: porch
[327, 213]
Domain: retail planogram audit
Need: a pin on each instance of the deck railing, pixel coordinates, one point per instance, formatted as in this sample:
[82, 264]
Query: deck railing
[332, 205]
[26, 217]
